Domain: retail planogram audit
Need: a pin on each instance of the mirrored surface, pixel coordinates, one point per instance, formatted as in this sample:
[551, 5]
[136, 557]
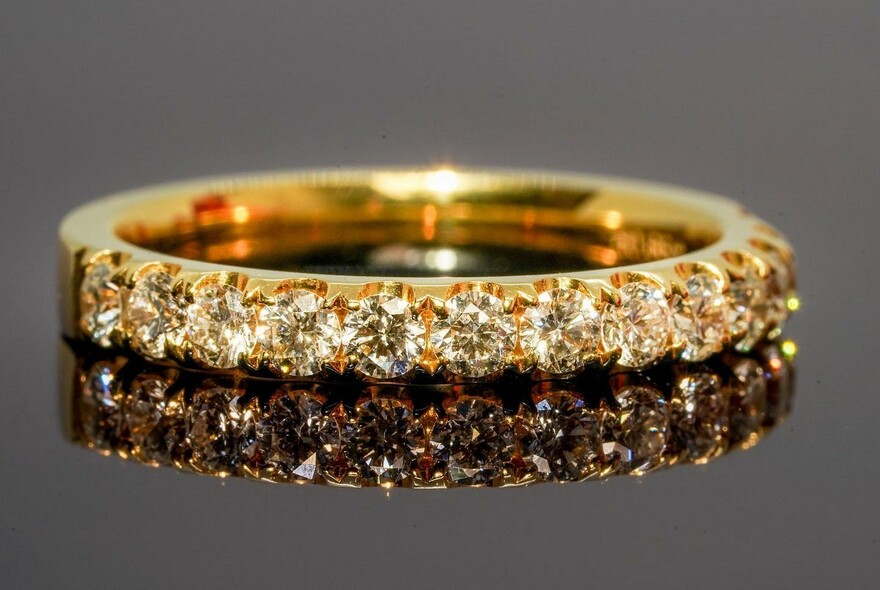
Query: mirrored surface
[511, 433]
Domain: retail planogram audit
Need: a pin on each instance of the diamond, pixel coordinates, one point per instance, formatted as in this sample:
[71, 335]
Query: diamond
[386, 336]
[99, 407]
[639, 326]
[476, 335]
[299, 333]
[219, 326]
[636, 433]
[779, 380]
[381, 448]
[99, 303]
[561, 438]
[779, 291]
[295, 439]
[748, 402]
[748, 309]
[221, 430]
[698, 410]
[561, 329]
[700, 319]
[154, 420]
[152, 314]
[478, 438]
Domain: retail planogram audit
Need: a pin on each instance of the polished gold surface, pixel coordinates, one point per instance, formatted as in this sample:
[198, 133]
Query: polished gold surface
[500, 230]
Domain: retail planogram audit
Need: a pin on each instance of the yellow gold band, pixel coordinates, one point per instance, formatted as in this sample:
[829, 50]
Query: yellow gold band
[459, 275]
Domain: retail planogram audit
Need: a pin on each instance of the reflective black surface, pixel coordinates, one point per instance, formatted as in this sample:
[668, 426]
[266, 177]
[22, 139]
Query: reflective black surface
[507, 433]
[772, 103]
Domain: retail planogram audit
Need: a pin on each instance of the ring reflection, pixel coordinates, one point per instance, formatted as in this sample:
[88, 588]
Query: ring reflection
[505, 433]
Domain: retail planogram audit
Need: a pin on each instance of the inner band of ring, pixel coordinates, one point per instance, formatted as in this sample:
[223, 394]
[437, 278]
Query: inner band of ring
[439, 223]
[431, 233]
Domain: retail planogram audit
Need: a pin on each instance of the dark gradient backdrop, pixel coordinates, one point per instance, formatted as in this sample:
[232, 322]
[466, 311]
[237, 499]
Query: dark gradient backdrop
[773, 103]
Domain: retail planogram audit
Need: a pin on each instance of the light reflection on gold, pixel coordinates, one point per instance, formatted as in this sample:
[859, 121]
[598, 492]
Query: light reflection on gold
[241, 214]
[292, 227]
[429, 222]
[443, 259]
[241, 249]
[612, 220]
[440, 182]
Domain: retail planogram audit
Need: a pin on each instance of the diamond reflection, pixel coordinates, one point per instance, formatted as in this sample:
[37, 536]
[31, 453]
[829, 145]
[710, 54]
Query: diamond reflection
[509, 433]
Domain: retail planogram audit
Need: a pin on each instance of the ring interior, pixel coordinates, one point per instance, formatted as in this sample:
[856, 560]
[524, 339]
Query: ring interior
[418, 223]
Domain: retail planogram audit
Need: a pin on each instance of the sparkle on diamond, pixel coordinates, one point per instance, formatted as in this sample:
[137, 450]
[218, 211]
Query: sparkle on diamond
[153, 314]
[382, 446]
[700, 319]
[476, 335]
[295, 439]
[748, 309]
[639, 327]
[100, 303]
[478, 440]
[221, 431]
[699, 415]
[748, 402]
[636, 433]
[220, 326]
[561, 438]
[386, 336]
[561, 329]
[778, 382]
[154, 421]
[299, 333]
[99, 406]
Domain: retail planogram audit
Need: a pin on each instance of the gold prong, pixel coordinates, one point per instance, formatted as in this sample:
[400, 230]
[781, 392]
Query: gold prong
[685, 270]
[620, 279]
[144, 269]
[493, 289]
[518, 303]
[429, 305]
[111, 257]
[231, 279]
[340, 362]
[316, 286]
[561, 283]
[738, 261]
[390, 288]
[430, 362]
[341, 304]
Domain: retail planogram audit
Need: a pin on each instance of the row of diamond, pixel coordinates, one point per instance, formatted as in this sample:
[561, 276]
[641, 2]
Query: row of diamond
[474, 333]
[297, 435]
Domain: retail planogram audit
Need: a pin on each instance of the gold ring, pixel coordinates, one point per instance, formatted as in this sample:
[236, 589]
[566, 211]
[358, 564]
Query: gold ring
[441, 274]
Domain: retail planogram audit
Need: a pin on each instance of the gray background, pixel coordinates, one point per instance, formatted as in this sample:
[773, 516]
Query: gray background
[773, 103]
